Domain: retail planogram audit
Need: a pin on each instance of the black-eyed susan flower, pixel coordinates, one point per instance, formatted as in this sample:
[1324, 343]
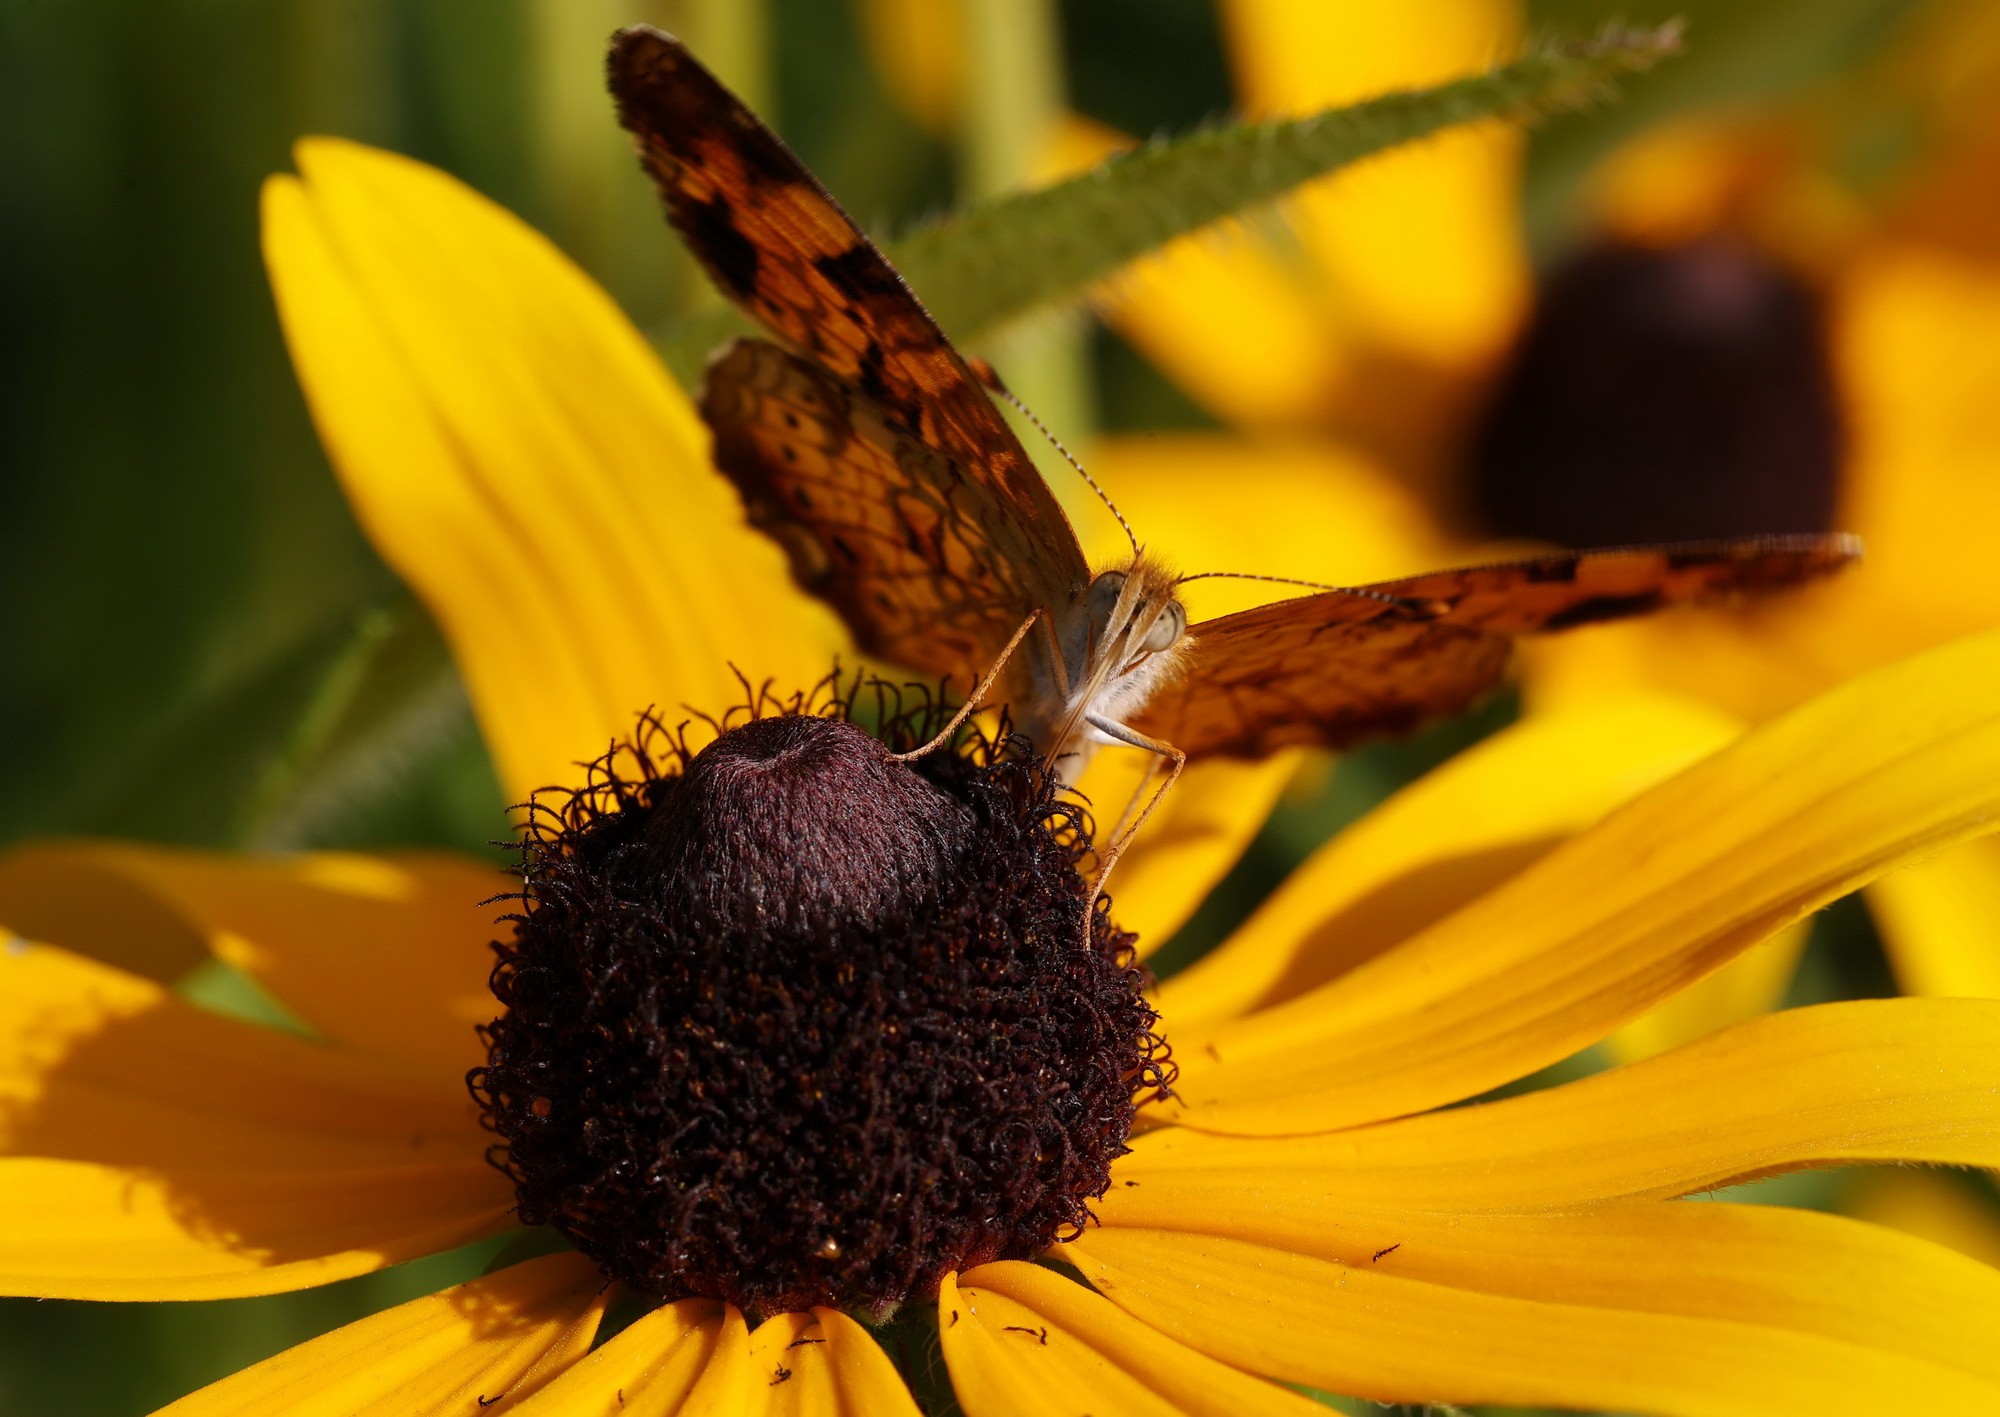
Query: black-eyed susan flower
[792, 1022]
[1302, 1206]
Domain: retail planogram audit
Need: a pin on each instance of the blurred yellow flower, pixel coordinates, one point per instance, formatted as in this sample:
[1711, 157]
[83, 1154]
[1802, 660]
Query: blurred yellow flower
[1310, 1206]
[1379, 312]
[1909, 277]
[1387, 289]
[1912, 317]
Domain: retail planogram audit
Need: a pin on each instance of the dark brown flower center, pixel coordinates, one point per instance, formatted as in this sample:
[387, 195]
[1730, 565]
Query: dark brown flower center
[1663, 395]
[794, 1023]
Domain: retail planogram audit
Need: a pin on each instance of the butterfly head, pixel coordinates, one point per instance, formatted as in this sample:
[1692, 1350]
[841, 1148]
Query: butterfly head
[1131, 616]
[1126, 636]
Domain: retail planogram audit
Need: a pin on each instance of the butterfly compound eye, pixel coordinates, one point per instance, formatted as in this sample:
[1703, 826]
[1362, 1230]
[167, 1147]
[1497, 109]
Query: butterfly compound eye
[1168, 629]
[1104, 593]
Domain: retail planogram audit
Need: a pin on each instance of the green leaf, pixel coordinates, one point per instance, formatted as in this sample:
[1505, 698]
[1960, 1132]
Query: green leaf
[384, 729]
[998, 260]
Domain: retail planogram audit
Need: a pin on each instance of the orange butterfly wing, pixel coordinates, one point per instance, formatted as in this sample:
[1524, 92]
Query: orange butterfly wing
[782, 249]
[880, 525]
[1339, 668]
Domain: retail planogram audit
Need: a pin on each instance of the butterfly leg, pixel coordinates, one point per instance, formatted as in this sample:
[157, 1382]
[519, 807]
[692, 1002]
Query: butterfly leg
[1153, 761]
[1122, 837]
[1057, 667]
[979, 691]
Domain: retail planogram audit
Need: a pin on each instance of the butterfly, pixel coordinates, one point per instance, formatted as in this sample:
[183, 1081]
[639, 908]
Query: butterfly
[871, 450]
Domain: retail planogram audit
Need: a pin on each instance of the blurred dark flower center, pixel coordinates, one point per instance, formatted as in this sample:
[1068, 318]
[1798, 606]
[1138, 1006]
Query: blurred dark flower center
[1663, 395]
[790, 1022]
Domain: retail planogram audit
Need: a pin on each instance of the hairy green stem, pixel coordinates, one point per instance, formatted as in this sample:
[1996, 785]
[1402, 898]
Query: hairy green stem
[987, 265]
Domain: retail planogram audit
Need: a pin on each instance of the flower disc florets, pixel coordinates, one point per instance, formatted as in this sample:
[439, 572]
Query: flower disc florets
[790, 1022]
[1663, 394]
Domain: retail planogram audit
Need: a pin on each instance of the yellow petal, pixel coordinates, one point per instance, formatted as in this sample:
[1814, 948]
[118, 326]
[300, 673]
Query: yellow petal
[1075, 145]
[1295, 56]
[1873, 1080]
[1679, 182]
[388, 954]
[1425, 248]
[1743, 174]
[170, 1153]
[1423, 245]
[994, 1374]
[1456, 833]
[1222, 311]
[1198, 833]
[64, 896]
[1753, 983]
[1940, 920]
[1917, 358]
[683, 1358]
[918, 48]
[99, 1065]
[1228, 319]
[481, 1347]
[1791, 816]
[1754, 662]
[180, 1232]
[1022, 1341]
[822, 1364]
[1788, 1269]
[1268, 507]
[516, 451]
[1358, 1330]
[1941, 1207]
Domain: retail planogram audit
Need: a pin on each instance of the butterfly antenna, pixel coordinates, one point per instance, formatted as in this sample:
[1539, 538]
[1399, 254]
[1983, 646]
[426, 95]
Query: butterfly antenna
[1407, 602]
[992, 381]
[1250, 576]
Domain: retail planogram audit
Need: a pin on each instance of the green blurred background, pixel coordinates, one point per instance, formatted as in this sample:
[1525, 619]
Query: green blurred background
[196, 643]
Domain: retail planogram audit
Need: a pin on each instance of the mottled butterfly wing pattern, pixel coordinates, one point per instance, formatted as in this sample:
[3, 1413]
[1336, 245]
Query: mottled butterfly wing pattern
[781, 248]
[882, 526]
[1566, 589]
[864, 444]
[1338, 669]
[1261, 681]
